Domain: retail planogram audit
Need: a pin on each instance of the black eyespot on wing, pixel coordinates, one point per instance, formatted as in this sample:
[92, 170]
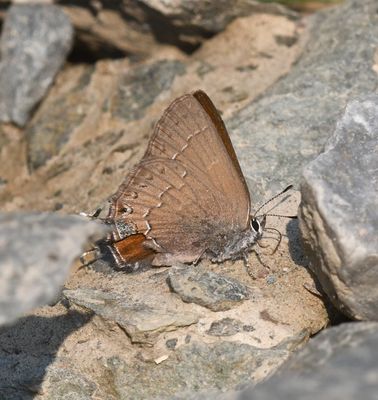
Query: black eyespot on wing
[255, 225]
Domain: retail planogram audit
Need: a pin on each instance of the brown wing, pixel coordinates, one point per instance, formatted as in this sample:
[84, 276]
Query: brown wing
[192, 131]
[188, 186]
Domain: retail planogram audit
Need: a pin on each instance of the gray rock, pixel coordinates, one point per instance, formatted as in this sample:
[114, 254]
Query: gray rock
[137, 27]
[139, 87]
[341, 363]
[339, 212]
[34, 44]
[36, 252]
[189, 16]
[52, 127]
[68, 383]
[171, 343]
[288, 126]
[208, 289]
[141, 322]
[225, 327]
[197, 365]
[55, 123]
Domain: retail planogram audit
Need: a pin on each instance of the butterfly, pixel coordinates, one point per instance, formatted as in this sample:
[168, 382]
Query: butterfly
[187, 198]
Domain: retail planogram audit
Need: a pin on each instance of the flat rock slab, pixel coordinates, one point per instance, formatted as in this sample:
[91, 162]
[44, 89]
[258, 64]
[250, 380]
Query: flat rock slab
[36, 253]
[339, 211]
[35, 41]
[192, 366]
[208, 289]
[141, 322]
[341, 363]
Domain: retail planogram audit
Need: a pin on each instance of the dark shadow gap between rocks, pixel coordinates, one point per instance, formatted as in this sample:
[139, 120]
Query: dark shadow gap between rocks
[90, 51]
[28, 347]
[298, 255]
[166, 32]
[187, 38]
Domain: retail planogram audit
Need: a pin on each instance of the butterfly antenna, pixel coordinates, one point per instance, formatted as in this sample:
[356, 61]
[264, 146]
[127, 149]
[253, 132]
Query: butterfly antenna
[273, 198]
[282, 216]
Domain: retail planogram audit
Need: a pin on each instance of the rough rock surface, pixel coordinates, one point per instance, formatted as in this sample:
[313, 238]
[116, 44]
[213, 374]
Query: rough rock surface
[288, 126]
[340, 364]
[35, 41]
[339, 211]
[207, 289]
[138, 28]
[191, 15]
[127, 337]
[36, 252]
[135, 92]
[142, 323]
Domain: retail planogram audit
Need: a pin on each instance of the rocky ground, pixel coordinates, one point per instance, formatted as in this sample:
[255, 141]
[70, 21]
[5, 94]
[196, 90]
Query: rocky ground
[81, 88]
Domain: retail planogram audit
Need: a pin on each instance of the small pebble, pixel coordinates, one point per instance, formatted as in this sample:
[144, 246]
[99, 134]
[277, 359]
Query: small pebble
[271, 279]
[171, 343]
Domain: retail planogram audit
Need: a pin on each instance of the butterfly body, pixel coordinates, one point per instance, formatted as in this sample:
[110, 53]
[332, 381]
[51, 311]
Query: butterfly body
[187, 198]
[233, 245]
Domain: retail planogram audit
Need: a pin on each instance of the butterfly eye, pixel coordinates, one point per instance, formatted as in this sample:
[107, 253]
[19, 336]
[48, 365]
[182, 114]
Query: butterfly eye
[255, 225]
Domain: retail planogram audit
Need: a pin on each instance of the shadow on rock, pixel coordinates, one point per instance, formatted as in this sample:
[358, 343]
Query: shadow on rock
[28, 347]
[297, 254]
[295, 243]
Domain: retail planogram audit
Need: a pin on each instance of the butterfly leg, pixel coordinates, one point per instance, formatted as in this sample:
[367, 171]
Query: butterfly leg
[89, 257]
[248, 266]
[92, 215]
[279, 239]
[196, 261]
[252, 273]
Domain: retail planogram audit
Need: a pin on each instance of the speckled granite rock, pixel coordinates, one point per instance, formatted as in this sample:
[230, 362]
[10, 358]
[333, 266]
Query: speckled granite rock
[139, 88]
[35, 41]
[36, 252]
[339, 211]
[208, 289]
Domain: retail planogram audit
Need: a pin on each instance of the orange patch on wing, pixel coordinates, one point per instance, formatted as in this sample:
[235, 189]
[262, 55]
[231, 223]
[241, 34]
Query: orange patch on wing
[132, 249]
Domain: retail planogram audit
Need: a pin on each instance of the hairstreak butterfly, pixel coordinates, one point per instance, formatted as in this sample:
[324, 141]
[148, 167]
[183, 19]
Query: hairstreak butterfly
[187, 198]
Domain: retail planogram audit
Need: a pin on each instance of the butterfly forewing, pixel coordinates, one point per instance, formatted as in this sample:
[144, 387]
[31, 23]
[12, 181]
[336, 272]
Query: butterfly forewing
[192, 131]
[188, 187]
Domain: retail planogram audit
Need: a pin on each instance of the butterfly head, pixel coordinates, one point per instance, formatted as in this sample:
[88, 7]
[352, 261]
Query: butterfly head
[257, 224]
